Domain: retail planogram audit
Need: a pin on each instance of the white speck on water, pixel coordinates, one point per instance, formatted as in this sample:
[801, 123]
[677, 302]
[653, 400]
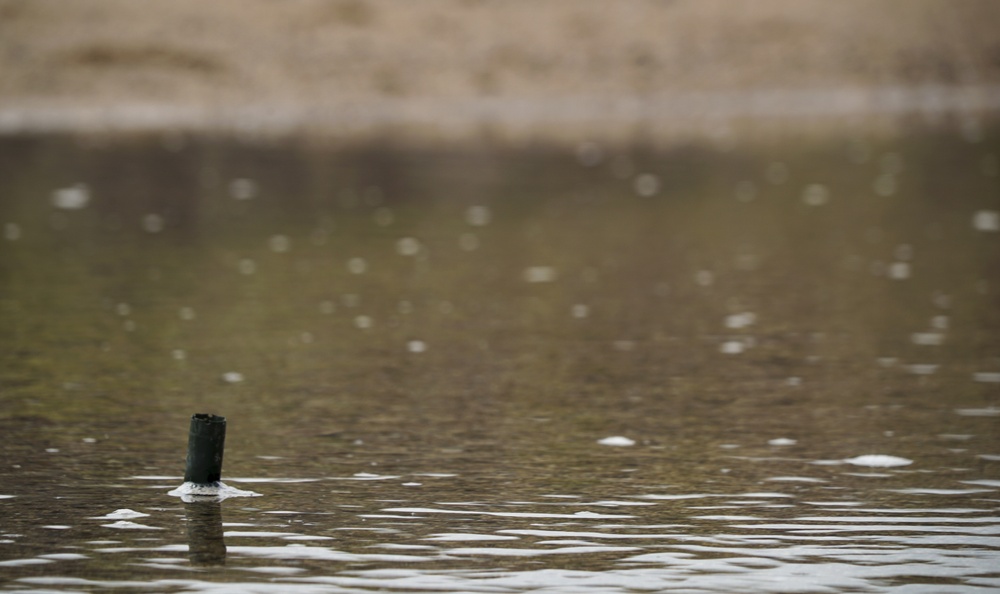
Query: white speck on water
[922, 368]
[327, 307]
[589, 154]
[815, 195]
[412, 484]
[89, 440]
[247, 266]
[306, 338]
[468, 242]
[416, 346]
[740, 320]
[746, 191]
[279, 244]
[988, 377]
[878, 461]
[123, 309]
[153, 223]
[794, 381]
[122, 514]
[732, 347]
[579, 311]
[357, 265]
[887, 361]
[617, 441]
[57, 527]
[52, 450]
[885, 184]
[11, 231]
[646, 185]
[478, 216]
[71, 198]
[363, 322]
[704, 278]
[940, 322]
[232, 377]
[178, 354]
[407, 246]
[986, 220]
[782, 441]
[539, 274]
[187, 313]
[927, 338]
[242, 189]
[899, 270]
[129, 325]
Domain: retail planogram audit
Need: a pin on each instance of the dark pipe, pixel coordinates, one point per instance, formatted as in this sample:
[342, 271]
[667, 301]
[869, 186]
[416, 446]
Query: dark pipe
[206, 441]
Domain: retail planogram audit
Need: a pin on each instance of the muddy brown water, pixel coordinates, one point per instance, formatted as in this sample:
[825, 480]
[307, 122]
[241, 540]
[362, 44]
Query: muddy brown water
[421, 355]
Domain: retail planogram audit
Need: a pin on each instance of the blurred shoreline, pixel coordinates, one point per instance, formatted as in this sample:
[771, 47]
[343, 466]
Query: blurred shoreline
[494, 71]
[656, 120]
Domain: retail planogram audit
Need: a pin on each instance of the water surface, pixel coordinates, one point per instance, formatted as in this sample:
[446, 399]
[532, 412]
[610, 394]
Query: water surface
[422, 355]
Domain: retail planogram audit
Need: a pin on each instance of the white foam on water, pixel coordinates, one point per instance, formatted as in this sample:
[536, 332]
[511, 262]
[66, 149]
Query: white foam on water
[922, 368]
[982, 483]
[732, 347]
[539, 274]
[478, 216]
[782, 441]
[617, 441]
[72, 198]
[126, 525]
[927, 338]
[455, 537]
[232, 377]
[878, 461]
[121, 514]
[219, 491]
[988, 377]
[21, 562]
[740, 320]
[940, 491]
[986, 220]
[989, 411]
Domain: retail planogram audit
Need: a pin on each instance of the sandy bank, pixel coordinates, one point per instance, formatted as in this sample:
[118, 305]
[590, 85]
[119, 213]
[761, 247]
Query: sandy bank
[491, 69]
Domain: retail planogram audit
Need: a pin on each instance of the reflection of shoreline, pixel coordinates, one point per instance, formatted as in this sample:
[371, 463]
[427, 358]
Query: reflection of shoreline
[206, 545]
[553, 117]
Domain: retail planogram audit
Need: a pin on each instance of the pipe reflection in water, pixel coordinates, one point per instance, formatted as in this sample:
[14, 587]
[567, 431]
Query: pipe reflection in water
[206, 545]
